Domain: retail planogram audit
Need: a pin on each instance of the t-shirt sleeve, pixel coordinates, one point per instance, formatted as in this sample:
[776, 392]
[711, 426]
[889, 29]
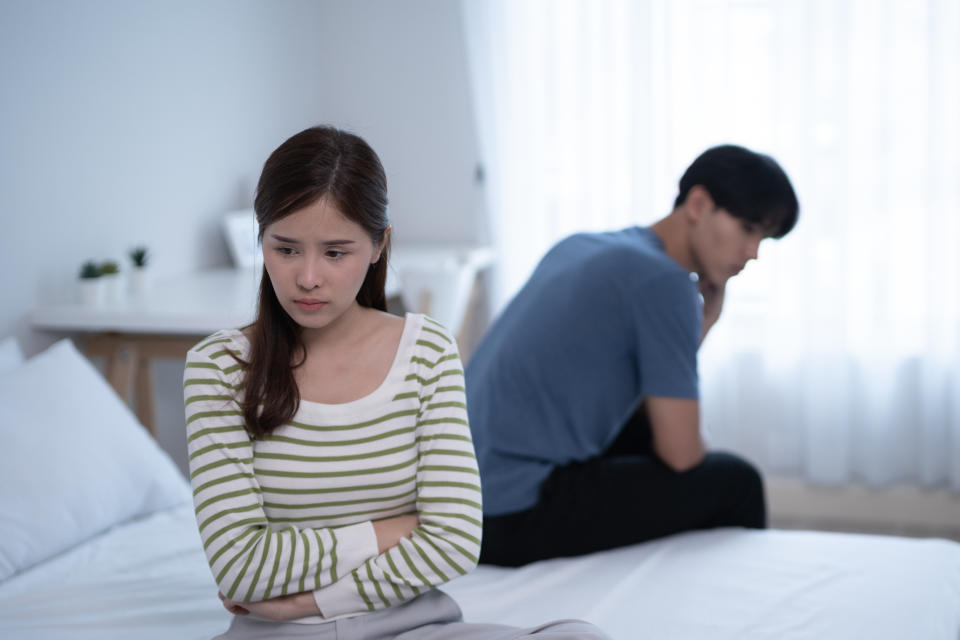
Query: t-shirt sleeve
[667, 320]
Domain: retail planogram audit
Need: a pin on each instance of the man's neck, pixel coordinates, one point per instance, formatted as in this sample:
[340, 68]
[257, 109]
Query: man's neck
[674, 233]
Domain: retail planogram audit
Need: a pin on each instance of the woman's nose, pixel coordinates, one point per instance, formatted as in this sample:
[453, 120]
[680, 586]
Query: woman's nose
[310, 274]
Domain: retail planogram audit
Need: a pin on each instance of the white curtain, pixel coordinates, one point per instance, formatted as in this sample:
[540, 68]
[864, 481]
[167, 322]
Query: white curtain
[838, 354]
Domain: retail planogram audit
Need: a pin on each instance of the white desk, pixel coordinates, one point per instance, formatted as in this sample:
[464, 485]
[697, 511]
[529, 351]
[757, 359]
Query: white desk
[177, 312]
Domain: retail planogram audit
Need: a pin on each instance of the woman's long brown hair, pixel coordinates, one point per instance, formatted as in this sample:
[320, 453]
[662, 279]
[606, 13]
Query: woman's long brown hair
[320, 162]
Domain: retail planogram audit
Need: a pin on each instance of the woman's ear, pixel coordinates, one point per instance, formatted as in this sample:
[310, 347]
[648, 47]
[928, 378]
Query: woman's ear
[383, 243]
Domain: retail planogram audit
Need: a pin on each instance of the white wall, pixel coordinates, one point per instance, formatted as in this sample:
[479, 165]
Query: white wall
[398, 74]
[142, 122]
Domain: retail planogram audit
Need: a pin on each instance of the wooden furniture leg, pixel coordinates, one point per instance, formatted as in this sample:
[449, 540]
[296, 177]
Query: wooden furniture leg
[121, 361]
[128, 366]
[144, 395]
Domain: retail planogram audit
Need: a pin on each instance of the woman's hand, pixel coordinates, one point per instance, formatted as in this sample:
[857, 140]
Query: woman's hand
[279, 609]
[232, 606]
[390, 530]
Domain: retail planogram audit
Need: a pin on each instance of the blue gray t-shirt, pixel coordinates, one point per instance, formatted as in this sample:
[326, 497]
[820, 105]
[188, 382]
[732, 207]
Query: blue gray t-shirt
[605, 320]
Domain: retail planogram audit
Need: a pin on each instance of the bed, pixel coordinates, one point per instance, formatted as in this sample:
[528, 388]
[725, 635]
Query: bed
[98, 540]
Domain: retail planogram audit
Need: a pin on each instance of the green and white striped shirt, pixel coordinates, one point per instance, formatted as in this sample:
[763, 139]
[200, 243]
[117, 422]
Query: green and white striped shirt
[293, 512]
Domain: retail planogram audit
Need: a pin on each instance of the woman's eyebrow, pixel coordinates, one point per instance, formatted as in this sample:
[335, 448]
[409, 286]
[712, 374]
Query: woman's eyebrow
[326, 243]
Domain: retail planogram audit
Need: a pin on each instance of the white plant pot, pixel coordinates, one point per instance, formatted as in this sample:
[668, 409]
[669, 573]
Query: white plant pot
[139, 281]
[113, 286]
[92, 292]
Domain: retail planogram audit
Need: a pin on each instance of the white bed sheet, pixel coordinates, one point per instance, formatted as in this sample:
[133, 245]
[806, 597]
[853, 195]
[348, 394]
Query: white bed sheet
[732, 583]
[149, 579]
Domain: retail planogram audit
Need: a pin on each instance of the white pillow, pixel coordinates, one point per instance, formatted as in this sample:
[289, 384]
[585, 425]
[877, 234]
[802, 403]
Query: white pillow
[10, 355]
[74, 461]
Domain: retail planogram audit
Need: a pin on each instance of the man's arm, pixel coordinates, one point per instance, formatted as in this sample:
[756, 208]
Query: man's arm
[712, 304]
[675, 426]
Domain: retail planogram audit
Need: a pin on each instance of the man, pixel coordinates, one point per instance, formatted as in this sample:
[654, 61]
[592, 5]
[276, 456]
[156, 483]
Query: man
[583, 396]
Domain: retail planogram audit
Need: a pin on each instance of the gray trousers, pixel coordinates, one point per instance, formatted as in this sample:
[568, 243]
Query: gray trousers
[432, 616]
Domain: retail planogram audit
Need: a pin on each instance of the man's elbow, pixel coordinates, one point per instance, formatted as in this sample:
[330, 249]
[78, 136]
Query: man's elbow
[683, 461]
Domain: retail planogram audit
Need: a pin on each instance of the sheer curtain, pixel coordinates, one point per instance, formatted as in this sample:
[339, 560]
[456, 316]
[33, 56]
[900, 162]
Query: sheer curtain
[838, 354]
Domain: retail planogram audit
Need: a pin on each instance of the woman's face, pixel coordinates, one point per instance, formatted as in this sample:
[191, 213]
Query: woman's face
[316, 260]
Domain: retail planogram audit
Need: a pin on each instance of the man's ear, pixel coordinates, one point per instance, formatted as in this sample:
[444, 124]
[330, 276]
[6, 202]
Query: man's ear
[383, 243]
[699, 203]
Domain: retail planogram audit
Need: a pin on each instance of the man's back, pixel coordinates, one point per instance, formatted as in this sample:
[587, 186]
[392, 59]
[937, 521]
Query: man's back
[605, 319]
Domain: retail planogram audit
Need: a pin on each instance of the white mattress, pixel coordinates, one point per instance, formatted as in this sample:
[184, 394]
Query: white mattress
[149, 579]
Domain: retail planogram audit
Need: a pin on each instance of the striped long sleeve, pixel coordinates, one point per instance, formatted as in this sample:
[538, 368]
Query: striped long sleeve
[251, 557]
[448, 503]
[293, 511]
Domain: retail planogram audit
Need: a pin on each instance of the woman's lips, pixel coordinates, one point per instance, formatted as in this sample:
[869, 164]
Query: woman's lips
[310, 305]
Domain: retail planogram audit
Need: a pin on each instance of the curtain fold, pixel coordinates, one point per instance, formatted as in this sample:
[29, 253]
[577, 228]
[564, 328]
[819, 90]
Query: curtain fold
[838, 353]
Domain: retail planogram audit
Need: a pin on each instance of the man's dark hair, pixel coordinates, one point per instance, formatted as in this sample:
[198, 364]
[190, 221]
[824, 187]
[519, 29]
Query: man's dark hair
[748, 185]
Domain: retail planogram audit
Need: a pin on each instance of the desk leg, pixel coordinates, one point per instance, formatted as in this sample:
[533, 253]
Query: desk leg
[121, 362]
[128, 370]
[150, 348]
[144, 395]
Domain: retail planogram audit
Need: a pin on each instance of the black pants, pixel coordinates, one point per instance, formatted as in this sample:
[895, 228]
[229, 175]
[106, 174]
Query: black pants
[626, 495]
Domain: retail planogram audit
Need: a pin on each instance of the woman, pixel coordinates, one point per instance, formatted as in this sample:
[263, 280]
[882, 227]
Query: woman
[333, 471]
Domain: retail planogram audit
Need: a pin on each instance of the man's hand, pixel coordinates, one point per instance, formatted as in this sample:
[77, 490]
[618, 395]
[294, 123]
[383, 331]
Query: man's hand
[279, 609]
[390, 530]
[712, 303]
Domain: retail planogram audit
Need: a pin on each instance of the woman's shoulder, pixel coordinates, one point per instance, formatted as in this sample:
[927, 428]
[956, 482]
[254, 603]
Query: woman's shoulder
[223, 342]
[430, 336]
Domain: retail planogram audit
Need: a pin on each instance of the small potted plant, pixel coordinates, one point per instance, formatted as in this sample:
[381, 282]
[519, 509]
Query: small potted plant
[110, 273]
[138, 274]
[91, 287]
[139, 257]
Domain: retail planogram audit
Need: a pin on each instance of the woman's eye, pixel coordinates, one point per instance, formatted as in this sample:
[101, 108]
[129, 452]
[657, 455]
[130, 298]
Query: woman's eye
[335, 254]
[286, 251]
